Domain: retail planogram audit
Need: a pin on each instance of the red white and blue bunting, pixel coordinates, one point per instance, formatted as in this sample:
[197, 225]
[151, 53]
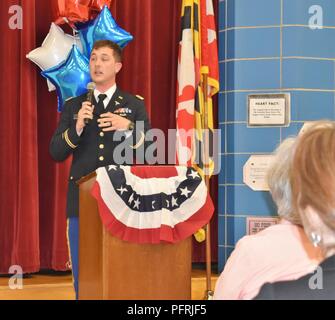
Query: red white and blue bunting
[148, 204]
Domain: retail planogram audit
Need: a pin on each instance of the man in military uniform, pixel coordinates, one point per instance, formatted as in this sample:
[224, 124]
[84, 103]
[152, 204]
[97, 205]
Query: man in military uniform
[91, 132]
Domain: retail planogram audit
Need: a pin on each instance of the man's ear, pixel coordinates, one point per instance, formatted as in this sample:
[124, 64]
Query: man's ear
[118, 67]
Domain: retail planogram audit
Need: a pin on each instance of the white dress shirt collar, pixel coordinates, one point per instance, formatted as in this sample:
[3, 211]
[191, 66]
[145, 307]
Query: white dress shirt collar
[109, 94]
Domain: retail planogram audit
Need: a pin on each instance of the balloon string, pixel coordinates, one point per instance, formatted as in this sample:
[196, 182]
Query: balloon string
[74, 30]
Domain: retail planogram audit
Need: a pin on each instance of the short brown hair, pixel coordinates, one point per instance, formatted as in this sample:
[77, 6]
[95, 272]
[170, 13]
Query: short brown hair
[313, 172]
[110, 44]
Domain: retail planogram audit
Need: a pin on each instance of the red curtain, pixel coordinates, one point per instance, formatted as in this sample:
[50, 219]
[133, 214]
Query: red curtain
[19, 204]
[33, 187]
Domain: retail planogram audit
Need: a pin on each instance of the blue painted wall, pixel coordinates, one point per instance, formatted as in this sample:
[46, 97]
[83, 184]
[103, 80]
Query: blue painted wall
[266, 46]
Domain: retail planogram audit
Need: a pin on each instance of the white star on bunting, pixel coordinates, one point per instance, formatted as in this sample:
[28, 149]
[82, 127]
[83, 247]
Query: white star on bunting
[194, 174]
[174, 202]
[131, 198]
[185, 192]
[137, 203]
[122, 190]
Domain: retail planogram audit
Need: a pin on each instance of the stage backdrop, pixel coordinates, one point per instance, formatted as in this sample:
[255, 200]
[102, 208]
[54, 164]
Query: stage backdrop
[33, 187]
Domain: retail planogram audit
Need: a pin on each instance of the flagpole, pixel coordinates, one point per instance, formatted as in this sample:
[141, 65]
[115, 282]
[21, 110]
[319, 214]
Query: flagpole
[204, 71]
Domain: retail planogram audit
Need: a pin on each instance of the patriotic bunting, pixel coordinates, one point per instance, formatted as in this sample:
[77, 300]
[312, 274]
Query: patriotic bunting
[138, 207]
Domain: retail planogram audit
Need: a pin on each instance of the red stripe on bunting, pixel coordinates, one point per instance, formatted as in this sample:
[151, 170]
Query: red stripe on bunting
[154, 172]
[163, 234]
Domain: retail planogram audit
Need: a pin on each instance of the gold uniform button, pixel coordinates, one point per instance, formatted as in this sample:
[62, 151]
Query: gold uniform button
[101, 146]
[101, 158]
[101, 134]
[71, 178]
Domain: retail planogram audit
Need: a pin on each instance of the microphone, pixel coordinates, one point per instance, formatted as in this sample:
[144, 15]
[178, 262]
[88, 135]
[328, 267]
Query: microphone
[89, 97]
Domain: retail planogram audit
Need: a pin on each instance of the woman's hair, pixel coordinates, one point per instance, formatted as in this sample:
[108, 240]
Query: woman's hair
[313, 173]
[278, 178]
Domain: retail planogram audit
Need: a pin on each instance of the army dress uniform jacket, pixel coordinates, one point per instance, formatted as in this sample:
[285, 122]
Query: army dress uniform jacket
[94, 148]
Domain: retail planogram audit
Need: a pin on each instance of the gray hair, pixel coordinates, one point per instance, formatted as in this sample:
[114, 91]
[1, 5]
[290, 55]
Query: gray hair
[278, 179]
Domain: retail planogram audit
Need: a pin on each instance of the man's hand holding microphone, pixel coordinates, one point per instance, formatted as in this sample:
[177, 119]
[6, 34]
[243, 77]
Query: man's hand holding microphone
[85, 114]
[108, 121]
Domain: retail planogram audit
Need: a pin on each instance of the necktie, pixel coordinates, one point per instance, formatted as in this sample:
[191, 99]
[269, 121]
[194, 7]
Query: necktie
[100, 108]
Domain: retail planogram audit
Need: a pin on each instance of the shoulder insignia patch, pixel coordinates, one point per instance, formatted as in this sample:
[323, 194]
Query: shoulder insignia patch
[139, 97]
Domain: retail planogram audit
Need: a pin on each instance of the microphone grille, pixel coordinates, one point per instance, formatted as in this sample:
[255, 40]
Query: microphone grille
[90, 86]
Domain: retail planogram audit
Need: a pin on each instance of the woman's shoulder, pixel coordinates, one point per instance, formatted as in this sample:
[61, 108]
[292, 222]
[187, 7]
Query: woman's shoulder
[268, 235]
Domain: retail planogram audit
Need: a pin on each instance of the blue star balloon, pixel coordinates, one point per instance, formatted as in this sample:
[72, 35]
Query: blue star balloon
[103, 27]
[70, 77]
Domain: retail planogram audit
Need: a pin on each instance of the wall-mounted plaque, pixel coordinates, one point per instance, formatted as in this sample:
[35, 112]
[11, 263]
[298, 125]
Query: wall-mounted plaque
[254, 172]
[256, 224]
[269, 110]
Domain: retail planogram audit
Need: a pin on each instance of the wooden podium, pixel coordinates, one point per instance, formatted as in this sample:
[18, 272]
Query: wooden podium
[110, 268]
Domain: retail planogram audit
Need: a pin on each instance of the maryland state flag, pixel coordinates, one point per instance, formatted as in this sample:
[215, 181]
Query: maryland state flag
[197, 60]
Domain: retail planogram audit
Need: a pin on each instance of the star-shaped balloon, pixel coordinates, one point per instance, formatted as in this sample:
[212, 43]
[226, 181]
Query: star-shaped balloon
[69, 77]
[103, 27]
[98, 5]
[54, 49]
[95, 5]
[70, 11]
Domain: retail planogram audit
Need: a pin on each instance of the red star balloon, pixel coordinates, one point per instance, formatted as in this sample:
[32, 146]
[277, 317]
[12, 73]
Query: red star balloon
[95, 5]
[71, 11]
[98, 5]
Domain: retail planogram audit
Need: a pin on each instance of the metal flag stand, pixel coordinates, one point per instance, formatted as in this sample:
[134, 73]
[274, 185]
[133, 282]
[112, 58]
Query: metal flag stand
[204, 84]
